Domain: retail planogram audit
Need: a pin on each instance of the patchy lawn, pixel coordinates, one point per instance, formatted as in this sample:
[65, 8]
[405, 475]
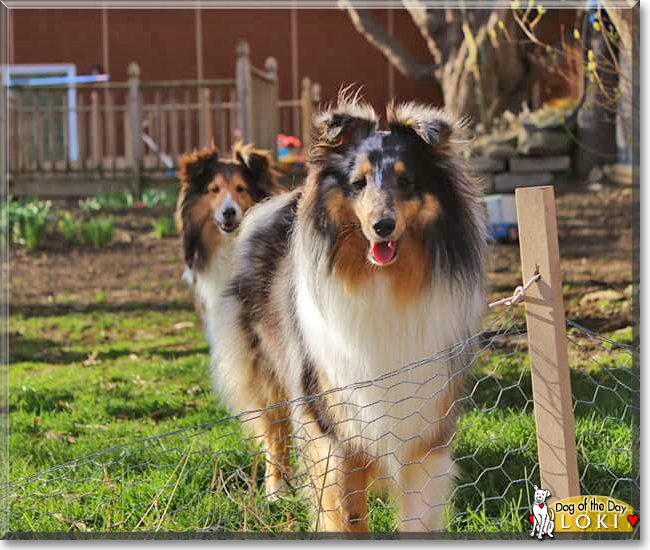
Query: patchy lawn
[108, 369]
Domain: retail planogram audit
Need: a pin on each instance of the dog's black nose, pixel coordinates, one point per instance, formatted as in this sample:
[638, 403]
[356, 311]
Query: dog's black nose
[229, 213]
[384, 227]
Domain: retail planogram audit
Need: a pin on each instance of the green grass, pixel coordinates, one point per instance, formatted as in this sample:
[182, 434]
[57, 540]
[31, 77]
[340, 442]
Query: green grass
[99, 387]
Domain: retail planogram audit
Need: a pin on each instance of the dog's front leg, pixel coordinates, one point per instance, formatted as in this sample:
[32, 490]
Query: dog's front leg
[338, 479]
[274, 424]
[424, 483]
[339, 484]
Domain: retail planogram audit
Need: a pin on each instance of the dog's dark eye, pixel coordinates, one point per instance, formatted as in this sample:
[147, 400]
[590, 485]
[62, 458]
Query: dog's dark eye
[359, 184]
[215, 189]
[240, 189]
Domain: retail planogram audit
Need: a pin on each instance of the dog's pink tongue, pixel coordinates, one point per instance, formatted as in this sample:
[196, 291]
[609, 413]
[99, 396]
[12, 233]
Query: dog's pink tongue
[384, 252]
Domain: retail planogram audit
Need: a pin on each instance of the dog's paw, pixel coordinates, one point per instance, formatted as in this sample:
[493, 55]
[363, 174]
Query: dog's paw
[275, 489]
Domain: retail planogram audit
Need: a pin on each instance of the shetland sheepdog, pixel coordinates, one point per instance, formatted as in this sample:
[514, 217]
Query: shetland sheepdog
[214, 195]
[376, 263]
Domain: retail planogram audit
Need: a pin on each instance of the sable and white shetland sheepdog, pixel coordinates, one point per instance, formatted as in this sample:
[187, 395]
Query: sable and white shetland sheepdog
[214, 195]
[377, 262]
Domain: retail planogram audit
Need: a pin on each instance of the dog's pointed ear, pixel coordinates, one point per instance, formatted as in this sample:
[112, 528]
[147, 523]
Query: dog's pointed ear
[342, 126]
[535, 487]
[257, 165]
[433, 126]
[548, 493]
[197, 167]
[255, 161]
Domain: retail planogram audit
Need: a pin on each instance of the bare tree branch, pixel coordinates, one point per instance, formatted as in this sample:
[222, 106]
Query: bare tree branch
[421, 18]
[388, 45]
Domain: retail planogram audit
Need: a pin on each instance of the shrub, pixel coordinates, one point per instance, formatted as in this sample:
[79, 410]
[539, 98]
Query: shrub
[125, 199]
[98, 231]
[70, 228]
[107, 201]
[158, 197]
[164, 227]
[25, 221]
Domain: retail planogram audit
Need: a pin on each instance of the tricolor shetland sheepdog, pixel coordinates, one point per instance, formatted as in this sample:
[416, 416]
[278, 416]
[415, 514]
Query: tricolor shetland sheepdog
[377, 262]
[214, 195]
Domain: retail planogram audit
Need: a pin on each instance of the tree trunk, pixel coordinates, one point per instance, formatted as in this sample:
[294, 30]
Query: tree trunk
[597, 125]
[478, 64]
[627, 25]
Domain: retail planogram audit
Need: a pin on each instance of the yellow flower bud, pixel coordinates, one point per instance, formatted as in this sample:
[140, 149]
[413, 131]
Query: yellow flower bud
[597, 26]
[576, 34]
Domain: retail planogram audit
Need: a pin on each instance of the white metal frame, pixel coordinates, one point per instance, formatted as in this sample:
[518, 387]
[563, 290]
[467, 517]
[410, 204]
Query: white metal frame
[69, 70]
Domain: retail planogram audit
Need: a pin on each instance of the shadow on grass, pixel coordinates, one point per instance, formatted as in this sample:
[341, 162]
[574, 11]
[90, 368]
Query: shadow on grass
[496, 447]
[44, 350]
[51, 310]
[36, 401]
[606, 388]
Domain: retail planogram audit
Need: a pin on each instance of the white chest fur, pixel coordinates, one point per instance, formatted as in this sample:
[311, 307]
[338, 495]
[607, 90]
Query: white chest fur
[211, 282]
[360, 338]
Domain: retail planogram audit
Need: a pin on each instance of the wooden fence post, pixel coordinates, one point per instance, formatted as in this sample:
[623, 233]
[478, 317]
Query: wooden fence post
[12, 134]
[135, 125]
[6, 117]
[128, 139]
[272, 111]
[39, 137]
[307, 108]
[244, 91]
[315, 93]
[95, 130]
[207, 116]
[109, 115]
[547, 342]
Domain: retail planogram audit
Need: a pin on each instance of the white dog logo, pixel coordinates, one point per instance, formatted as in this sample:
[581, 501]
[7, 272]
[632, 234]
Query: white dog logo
[543, 518]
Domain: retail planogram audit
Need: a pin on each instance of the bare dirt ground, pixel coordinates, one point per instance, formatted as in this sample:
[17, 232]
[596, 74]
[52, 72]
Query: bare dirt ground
[139, 271]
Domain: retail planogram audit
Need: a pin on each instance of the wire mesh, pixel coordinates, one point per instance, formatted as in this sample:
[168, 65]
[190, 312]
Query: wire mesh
[217, 477]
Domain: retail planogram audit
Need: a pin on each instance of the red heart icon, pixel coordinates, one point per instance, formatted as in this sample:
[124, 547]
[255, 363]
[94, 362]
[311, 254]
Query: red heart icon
[633, 519]
[531, 519]
[541, 506]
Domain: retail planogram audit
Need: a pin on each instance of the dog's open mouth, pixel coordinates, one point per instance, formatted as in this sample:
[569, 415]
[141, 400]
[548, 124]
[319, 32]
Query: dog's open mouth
[228, 227]
[383, 253]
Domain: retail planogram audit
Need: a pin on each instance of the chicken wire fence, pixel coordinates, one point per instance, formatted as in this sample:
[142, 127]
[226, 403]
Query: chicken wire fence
[214, 477]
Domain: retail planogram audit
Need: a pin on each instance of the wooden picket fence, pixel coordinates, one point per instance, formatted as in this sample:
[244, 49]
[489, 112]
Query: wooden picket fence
[81, 139]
